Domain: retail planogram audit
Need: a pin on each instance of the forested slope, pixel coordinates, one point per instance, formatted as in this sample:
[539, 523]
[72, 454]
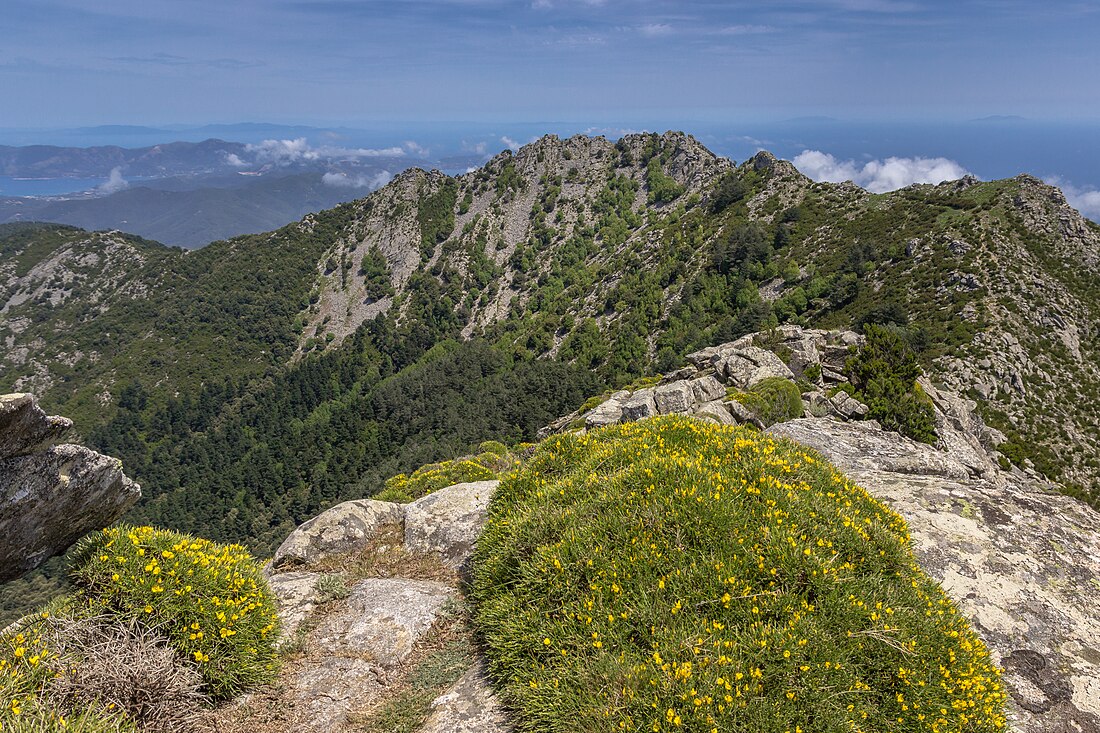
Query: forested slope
[255, 381]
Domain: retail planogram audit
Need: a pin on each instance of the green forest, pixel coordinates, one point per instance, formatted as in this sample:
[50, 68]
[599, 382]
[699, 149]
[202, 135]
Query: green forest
[235, 438]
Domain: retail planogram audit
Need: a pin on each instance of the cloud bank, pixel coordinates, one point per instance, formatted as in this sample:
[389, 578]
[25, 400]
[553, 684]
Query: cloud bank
[288, 152]
[343, 180]
[114, 183]
[878, 176]
[1085, 200]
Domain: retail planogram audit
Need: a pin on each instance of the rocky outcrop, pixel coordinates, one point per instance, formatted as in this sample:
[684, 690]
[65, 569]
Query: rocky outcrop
[343, 528]
[700, 389]
[357, 649]
[50, 495]
[1022, 563]
[448, 522]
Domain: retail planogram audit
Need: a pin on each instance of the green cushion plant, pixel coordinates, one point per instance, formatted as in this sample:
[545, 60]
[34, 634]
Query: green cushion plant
[672, 574]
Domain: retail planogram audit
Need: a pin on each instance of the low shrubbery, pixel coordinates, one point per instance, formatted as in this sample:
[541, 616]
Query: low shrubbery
[160, 624]
[671, 574]
[884, 371]
[772, 400]
[493, 460]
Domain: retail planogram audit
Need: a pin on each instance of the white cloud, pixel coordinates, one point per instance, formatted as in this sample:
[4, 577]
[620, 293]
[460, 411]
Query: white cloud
[286, 152]
[1085, 200]
[235, 160]
[343, 180]
[652, 30]
[878, 176]
[479, 148]
[114, 183]
[745, 30]
[417, 149]
[510, 143]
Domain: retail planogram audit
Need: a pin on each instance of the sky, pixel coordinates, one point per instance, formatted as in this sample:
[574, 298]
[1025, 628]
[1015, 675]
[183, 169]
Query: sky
[71, 62]
[734, 71]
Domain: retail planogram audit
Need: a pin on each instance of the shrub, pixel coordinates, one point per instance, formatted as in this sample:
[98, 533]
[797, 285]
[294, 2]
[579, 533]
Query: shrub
[487, 466]
[773, 400]
[493, 446]
[884, 370]
[125, 668]
[331, 587]
[210, 601]
[672, 574]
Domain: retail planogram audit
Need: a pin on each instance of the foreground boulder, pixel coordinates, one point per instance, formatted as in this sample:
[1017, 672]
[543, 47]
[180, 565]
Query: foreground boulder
[449, 521]
[50, 495]
[343, 528]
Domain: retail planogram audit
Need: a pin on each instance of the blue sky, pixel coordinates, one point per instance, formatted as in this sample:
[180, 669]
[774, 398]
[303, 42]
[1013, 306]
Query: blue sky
[70, 62]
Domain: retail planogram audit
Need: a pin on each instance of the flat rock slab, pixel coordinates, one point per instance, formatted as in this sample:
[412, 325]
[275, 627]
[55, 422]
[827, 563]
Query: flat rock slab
[449, 521]
[383, 618]
[1022, 564]
[328, 691]
[49, 500]
[343, 528]
[470, 706]
[295, 597]
[364, 645]
[864, 446]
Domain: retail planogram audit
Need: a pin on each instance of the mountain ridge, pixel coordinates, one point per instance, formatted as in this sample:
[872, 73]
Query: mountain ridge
[613, 257]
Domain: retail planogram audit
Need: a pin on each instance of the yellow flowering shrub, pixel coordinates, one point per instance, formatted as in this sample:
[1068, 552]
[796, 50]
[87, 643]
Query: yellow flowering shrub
[488, 465]
[210, 601]
[672, 574]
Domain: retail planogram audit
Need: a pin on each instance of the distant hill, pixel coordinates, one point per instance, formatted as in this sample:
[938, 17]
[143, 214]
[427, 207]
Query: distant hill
[189, 218]
[168, 159]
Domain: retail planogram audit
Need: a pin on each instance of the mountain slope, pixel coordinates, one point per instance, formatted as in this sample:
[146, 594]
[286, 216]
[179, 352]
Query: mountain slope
[615, 258]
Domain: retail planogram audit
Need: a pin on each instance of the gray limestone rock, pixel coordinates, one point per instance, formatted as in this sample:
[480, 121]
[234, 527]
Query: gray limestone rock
[742, 414]
[863, 446]
[449, 521]
[470, 706]
[639, 406]
[1022, 564]
[607, 413]
[383, 618]
[680, 375]
[847, 407]
[49, 500]
[25, 428]
[749, 365]
[718, 411]
[704, 357]
[343, 528]
[707, 388]
[674, 398]
[334, 687]
[295, 597]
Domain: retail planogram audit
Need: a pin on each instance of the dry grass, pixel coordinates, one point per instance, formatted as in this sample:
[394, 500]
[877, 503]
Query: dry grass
[123, 667]
[386, 557]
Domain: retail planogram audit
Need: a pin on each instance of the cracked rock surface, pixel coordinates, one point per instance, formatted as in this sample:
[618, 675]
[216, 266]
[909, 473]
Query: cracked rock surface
[50, 495]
